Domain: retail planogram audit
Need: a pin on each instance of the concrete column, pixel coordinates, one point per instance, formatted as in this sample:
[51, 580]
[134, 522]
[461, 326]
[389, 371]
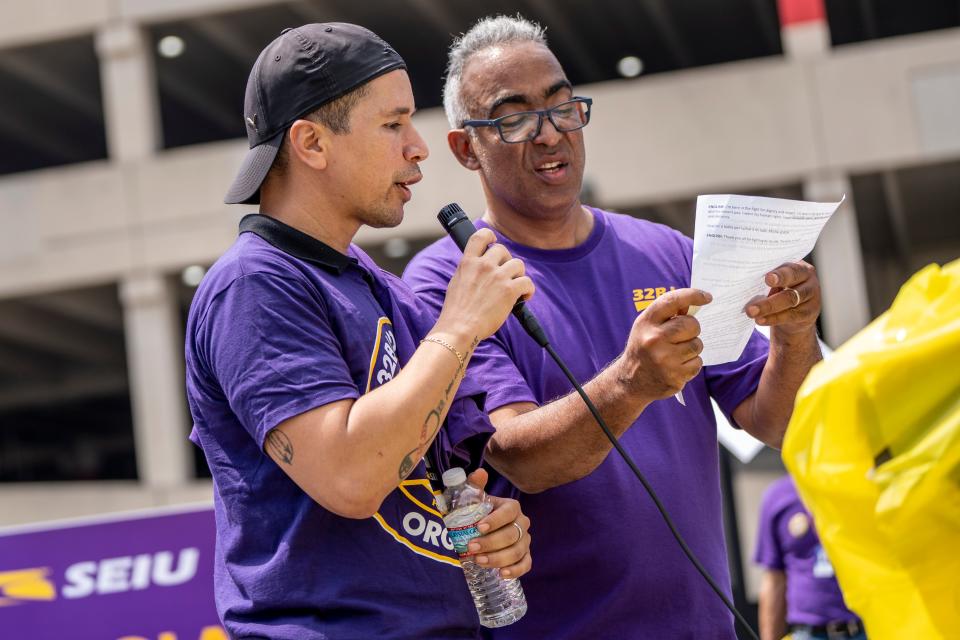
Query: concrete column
[805, 34]
[839, 260]
[155, 360]
[804, 31]
[129, 87]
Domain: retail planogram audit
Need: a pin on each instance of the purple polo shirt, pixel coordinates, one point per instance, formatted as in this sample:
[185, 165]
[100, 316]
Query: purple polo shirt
[605, 564]
[273, 333]
[788, 542]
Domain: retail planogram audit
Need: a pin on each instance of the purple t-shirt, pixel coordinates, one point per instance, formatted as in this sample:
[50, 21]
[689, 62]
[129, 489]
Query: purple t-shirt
[605, 564]
[270, 335]
[787, 541]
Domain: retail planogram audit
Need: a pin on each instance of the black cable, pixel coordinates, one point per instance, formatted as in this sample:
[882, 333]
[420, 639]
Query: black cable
[653, 495]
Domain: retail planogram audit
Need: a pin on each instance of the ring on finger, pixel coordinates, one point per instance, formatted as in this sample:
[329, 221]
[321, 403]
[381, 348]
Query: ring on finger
[519, 532]
[796, 294]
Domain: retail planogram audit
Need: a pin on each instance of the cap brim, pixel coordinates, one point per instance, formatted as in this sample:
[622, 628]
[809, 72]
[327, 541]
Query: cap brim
[246, 186]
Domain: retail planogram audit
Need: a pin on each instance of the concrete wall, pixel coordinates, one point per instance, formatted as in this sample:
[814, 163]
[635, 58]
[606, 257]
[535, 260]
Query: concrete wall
[39, 20]
[23, 502]
[723, 128]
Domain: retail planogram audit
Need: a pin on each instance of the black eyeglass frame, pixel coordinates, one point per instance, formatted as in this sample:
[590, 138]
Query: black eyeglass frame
[540, 113]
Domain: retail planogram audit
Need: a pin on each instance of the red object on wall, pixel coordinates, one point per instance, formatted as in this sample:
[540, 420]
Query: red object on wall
[797, 11]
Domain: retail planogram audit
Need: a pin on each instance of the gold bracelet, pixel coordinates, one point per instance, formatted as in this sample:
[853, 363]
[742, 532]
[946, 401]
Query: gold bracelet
[449, 346]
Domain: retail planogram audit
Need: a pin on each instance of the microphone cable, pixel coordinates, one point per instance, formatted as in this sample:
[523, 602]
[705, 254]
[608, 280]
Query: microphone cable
[653, 494]
[456, 222]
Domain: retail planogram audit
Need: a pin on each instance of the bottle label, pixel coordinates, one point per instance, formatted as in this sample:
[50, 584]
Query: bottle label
[461, 537]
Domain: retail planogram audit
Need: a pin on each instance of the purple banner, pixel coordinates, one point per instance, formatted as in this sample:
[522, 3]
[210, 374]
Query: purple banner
[143, 576]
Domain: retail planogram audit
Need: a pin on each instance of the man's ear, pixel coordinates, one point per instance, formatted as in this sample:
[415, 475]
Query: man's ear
[462, 147]
[310, 142]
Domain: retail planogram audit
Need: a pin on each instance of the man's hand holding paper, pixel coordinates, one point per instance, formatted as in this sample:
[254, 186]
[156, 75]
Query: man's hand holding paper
[793, 302]
[748, 253]
[663, 349]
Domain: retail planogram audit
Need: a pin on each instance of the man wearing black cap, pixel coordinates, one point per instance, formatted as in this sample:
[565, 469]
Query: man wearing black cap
[321, 393]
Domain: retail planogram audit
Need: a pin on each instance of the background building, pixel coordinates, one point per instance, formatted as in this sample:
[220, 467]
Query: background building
[121, 127]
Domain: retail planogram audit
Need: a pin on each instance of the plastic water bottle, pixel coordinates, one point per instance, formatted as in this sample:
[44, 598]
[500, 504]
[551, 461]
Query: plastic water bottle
[499, 601]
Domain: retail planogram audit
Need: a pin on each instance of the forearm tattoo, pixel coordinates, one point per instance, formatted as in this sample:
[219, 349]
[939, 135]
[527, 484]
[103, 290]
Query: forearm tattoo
[432, 422]
[279, 445]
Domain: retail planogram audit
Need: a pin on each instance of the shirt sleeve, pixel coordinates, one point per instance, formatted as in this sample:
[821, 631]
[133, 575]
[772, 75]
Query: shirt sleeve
[269, 344]
[768, 552]
[496, 370]
[733, 382]
[426, 277]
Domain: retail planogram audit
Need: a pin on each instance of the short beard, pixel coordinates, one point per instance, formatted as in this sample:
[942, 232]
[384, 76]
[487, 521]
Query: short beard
[382, 217]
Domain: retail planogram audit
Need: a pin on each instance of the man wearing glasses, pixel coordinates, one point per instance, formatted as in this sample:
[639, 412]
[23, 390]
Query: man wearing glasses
[612, 299]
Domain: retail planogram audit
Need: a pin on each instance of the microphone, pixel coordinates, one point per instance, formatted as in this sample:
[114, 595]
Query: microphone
[458, 225]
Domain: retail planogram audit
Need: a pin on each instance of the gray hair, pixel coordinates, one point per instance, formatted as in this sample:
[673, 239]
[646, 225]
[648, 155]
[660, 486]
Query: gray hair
[488, 32]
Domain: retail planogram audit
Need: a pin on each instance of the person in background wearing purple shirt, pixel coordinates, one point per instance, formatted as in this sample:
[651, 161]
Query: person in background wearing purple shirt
[799, 592]
[611, 295]
[317, 384]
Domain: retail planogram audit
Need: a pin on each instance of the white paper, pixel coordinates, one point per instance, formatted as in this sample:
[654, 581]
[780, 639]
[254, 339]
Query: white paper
[737, 241]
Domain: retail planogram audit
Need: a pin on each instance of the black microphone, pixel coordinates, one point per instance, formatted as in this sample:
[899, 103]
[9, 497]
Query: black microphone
[458, 225]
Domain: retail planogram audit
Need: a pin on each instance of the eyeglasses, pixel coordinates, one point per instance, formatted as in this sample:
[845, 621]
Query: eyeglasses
[525, 125]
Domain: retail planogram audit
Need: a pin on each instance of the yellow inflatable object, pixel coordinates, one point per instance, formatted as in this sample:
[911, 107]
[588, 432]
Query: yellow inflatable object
[874, 448]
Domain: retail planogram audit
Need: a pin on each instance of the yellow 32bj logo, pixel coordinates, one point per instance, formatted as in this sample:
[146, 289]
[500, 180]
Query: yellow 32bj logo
[643, 298]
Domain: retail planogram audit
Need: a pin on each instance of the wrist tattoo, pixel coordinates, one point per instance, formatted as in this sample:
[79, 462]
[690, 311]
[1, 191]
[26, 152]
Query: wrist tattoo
[279, 445]
[432, 422]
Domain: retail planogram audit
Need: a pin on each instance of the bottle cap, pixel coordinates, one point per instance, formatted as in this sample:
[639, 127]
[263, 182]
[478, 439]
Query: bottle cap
[453, 477]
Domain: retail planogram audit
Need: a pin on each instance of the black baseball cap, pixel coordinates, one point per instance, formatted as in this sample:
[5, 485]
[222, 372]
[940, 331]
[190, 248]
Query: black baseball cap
[300, 71]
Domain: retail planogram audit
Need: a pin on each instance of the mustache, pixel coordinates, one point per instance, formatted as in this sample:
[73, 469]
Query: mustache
[409, 176]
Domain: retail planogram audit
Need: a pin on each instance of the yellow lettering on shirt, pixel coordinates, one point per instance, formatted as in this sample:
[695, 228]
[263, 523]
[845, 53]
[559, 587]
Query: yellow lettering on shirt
[643, 298]
[213, 633]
